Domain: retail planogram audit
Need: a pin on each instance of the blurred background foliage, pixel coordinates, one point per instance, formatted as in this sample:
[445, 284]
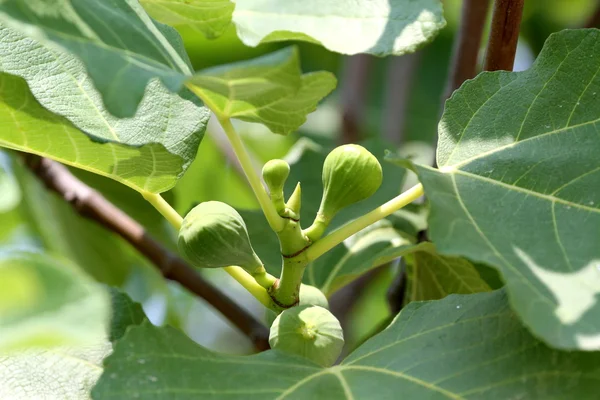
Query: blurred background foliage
[400, 104]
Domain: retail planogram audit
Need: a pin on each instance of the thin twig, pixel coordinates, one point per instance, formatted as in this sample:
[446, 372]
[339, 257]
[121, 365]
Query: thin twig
[354, 85]
[466, 44]
[92, 205]
[504, 35]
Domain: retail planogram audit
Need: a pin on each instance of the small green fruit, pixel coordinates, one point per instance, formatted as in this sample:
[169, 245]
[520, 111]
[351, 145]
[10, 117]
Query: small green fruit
[308, 331]
[214, 235]
[350, 174]
[309, 296]
[275, 173]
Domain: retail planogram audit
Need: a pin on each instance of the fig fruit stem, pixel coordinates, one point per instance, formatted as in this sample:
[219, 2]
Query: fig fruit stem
[336, 237]
[239, 274]
[274, 219]
[286, 292]
[164, 208]
[250, 284]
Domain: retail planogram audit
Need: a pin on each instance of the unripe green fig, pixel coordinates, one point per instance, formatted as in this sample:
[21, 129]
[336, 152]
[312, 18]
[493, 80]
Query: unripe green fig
[308, 331]
[214, 235]
[309, 296]
[350, 174]
[275, 173]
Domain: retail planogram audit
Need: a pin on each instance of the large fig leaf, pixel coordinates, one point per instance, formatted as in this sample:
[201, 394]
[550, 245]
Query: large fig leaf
[59, 82]
[462, 347]
[518, 186]
[121, 47]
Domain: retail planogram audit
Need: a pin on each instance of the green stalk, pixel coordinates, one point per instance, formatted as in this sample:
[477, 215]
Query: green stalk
[287, 290]
[164, 208]
[275, 221]
[327, 243]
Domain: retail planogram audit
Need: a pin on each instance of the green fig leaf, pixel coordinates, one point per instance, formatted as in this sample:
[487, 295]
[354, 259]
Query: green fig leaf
[125, 313]
[208, 17]
[47, 302]
[380, 27]
[28, 127]
[59, 82]
[517, 186]
[432, 276]
[121, 47]
[269, 89]
[465, 346]
[60, 373]
[65, 372]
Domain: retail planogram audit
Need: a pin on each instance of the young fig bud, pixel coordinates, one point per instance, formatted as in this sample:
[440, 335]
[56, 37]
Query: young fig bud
[295, 201]
[214, 235]
[350, 174]
[308, 331]
[275, 173]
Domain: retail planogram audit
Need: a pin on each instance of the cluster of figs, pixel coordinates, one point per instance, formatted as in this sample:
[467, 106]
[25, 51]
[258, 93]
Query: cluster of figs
[214, 235]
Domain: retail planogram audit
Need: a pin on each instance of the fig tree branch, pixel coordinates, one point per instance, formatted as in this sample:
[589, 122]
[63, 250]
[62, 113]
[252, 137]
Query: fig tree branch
[504, 35]
[92, 205]
[466, 44]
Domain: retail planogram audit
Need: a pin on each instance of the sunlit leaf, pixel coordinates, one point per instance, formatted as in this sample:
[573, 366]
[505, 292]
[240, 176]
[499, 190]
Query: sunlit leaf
[59, 82]
[209, 17]
[121, 47]
[517, 189]
[380, 27]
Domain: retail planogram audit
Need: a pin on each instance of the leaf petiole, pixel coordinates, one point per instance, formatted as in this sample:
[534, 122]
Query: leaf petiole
[327, 243]
[250, 284]
[274, 219]
[164, 209]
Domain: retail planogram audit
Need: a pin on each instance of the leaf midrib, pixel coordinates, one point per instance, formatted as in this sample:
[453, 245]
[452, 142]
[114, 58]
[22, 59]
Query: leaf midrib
[529, 192]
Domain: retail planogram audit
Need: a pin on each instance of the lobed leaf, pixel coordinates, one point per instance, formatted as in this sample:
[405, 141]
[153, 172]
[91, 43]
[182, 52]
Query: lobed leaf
[517, 186]
[462, 347]
[27, 126]
[380, 27]
[270, 90]
[121, 47]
